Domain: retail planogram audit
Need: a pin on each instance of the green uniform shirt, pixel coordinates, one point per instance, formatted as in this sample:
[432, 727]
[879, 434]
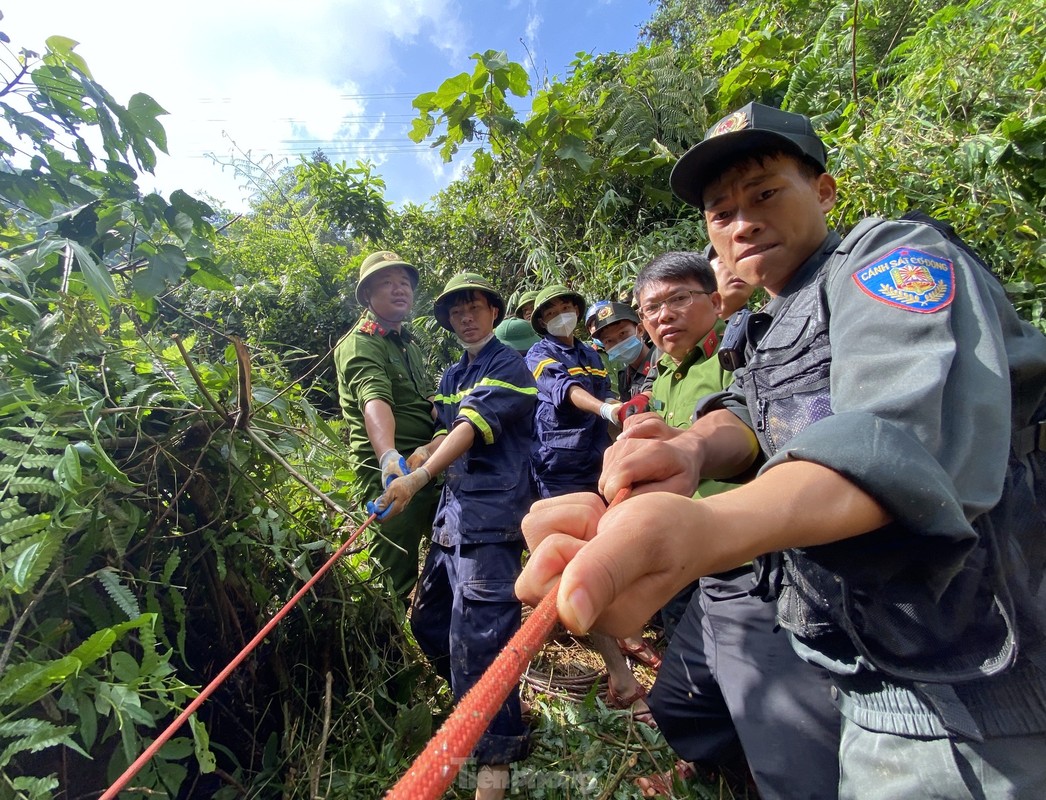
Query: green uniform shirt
[376, 364]
[678, 387]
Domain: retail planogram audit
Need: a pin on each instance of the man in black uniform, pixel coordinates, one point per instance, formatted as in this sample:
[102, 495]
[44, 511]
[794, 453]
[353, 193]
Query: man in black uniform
[896, 405]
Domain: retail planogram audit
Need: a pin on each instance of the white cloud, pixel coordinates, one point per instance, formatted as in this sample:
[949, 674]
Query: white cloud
[442, 173]
[258, 74]
[533, 25]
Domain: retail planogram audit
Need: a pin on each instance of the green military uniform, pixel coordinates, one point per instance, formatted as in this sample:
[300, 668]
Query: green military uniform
[678, 387]
[378, 364]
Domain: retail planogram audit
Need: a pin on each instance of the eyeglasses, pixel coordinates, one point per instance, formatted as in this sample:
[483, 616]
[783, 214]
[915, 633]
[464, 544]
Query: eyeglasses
[676, 302]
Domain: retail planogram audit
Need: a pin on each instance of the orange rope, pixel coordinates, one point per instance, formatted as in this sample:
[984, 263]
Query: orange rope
[436, 767]
[143, 759]
[439, 763]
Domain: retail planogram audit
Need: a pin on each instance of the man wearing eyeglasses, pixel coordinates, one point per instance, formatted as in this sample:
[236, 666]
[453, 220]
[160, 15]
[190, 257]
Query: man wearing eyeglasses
[896, 406]
[679, 305]
[726, 650]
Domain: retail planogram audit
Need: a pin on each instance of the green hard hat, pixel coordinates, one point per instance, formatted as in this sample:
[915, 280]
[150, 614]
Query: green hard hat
[465, 281]
[375, 263]
[517, 334]
[529, 296]
[546, 296]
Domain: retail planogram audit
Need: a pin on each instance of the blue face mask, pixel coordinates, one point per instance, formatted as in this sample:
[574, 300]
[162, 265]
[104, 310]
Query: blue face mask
[624, 353]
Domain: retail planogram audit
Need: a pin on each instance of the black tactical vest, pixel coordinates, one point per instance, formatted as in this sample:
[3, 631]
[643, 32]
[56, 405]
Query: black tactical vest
[865, 588]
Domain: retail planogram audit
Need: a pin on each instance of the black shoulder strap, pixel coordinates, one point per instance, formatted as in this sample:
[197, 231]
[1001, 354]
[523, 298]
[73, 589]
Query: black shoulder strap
[949, 233]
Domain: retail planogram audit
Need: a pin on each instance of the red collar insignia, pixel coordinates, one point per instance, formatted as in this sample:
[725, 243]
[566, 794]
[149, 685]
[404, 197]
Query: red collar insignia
[371, 328]
[710, 344]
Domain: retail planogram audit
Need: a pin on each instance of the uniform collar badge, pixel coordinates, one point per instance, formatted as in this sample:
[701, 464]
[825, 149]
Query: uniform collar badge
[710, 344]
[910, 279]
[372, 328]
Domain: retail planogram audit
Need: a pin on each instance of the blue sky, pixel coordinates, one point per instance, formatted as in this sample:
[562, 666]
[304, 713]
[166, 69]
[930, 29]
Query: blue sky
[276, 79]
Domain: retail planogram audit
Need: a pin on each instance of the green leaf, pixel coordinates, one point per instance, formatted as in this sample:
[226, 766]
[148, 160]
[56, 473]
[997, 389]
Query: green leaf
[88, 719]
[44, 735]
[202, 745]
[94, 647]
[68, 473]
[64, 46]
[19, 308]
[35, 788]
[120, 594]
[22, 526]
[451, 89]
[35, 557]
[166, 265]
[574, 150]
[209, 280]
[27, 683]
[144, 111]
[98, 279]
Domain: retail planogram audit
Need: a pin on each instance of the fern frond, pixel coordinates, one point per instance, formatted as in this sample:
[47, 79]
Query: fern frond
[121, 595]
[45, 735]
[36, 437]
[28, 484]
[22, 526]
[12, 447]
[41, 461]
[35, 788]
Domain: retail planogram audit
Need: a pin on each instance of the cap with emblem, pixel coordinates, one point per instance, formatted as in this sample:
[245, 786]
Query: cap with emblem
[749, 130]
[607, 312]
[465, 281]
[375, 263]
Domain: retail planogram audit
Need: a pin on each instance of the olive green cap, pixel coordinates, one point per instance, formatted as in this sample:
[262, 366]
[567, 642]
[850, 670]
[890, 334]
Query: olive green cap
[517, 334]
[607, 312]
[375, 263]
[529, 296]
[546, 296]
[465, 281]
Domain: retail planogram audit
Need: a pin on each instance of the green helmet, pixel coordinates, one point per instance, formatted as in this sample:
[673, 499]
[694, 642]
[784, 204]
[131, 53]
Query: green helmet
[517, 334]
[375, 263]
[465, 281]
[529, 296]
[546, 296]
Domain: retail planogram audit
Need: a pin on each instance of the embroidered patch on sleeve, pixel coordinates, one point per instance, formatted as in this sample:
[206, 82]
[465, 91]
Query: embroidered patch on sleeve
[910, 279]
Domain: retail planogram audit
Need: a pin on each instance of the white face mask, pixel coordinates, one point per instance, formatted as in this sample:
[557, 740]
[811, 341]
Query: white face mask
[474, 348]
[562, 324]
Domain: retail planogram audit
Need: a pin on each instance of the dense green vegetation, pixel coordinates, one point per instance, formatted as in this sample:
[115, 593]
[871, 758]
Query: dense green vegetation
[170, 461]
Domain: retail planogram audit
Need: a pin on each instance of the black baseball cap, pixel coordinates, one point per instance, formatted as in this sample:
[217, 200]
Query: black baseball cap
[750, 129]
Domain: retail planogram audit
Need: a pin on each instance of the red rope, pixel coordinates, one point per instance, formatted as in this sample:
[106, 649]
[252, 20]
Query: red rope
[436, 767]
[439, 763]
[143, 759]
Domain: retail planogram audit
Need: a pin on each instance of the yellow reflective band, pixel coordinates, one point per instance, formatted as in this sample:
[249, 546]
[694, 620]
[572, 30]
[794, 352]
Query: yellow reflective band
[599, 373]
[459, 396]
[541, 367]
[480, 423]
[441, 432]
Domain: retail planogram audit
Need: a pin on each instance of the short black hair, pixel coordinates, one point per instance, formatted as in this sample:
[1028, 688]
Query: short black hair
[677, 265]
[467, 296]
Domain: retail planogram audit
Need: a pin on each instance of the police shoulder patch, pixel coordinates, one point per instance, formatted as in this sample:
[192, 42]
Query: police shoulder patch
[910, 279]
[371, 328]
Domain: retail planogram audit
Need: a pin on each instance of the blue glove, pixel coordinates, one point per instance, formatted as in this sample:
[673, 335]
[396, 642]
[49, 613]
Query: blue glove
[393, 466]
[398, 493]
[380, 514]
